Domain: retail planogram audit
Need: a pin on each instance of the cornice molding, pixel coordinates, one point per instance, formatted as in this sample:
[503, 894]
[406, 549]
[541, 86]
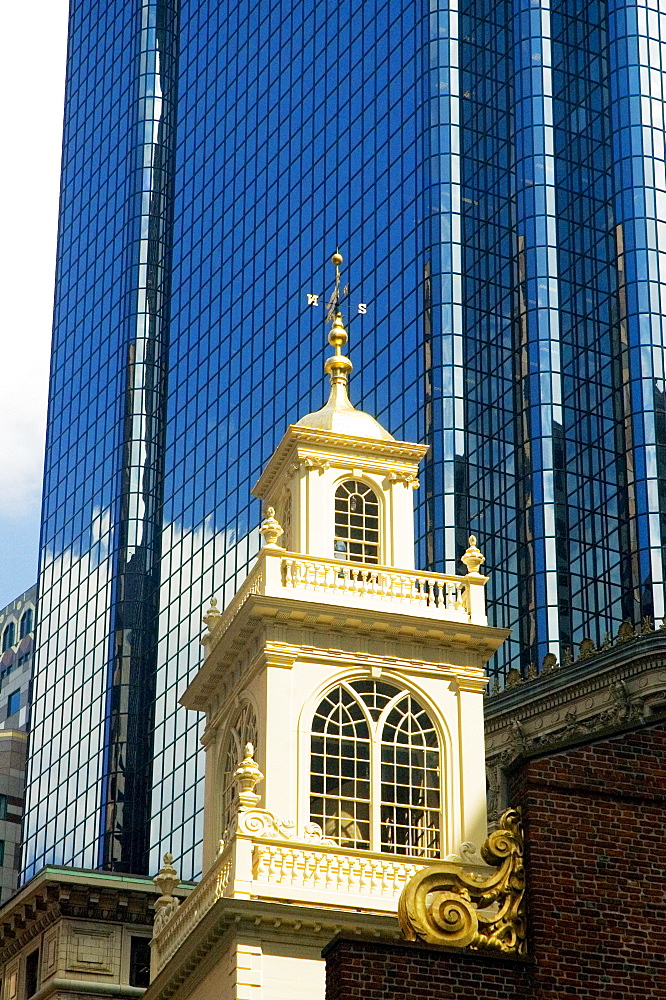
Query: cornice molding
[528, 702]
[616, 691]
[584, 675]
[285, 655]
[299, 441]
[447, 639]
[303, 924]
[63, 989]
[50, 897]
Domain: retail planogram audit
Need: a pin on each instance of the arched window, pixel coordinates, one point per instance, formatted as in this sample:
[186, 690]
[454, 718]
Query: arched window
[356, 523]
[26, 624]
[9, 636]
[340, 771]
[410, 820]
[375, 771]
[243, 731]
[285, 521]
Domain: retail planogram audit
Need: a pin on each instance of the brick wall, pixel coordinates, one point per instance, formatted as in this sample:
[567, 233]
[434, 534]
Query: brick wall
[595, 820]
[370, 970]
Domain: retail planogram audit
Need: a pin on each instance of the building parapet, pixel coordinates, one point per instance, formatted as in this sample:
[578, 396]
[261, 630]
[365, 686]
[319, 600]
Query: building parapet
[290, 575]
[619, 687]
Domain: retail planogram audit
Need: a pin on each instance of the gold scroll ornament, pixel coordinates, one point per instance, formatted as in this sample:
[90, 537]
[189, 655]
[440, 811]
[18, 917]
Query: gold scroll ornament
[444, 905]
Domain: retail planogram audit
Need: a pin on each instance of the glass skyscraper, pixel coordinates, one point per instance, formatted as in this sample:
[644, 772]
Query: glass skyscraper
[494, 173]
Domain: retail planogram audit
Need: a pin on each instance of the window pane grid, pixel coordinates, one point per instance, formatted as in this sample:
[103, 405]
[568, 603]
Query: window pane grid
[356, 523]
[410, 808]
[340, 771]
[375, 696]
[407, 819]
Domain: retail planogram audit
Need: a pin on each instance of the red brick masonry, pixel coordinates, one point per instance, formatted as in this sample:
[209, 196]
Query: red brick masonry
[595, 823]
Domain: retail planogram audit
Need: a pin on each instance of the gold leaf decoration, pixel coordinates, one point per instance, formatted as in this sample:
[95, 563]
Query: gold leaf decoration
[444, 905]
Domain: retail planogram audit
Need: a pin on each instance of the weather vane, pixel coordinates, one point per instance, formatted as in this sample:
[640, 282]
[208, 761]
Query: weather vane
[337, 297]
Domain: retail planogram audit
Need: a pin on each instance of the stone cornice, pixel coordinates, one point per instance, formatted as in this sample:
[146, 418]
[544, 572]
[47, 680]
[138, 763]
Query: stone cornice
[302, 924]
[299, 439]
[613, 691]
[471, 644]
[55, 893]
[584, 676]
[645, 658]
[465, 678]
[63, 989]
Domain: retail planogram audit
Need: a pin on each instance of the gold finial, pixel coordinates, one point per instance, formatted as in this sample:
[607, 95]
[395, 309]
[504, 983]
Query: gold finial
[338, 366]
[473, 557]
[337, 338]
[271, 529]
[247, 774]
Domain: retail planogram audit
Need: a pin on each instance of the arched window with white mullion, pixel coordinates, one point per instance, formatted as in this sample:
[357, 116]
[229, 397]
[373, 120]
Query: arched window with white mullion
[356, 522]
[340, 770]
[376, 770]
[410, 781]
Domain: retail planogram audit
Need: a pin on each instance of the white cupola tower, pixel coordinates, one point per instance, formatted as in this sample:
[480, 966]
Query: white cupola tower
[341, 485]
[343, 692]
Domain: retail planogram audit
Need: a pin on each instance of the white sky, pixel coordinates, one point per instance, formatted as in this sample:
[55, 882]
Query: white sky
[32, 74]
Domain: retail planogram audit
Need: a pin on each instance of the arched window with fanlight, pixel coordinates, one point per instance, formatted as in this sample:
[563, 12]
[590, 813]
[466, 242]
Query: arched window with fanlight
[340, 770]
[410, 766]
[356, 522]
[243, 731]
[375, 773]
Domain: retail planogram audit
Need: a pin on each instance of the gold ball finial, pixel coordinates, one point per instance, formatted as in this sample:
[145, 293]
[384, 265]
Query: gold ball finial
[336, 259]
[337, 336]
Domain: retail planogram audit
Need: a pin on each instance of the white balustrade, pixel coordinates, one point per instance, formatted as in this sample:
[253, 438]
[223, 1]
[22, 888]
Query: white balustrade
[192, 910]
[324, 870]
[432, 593]
[436, 595]
[309, 872]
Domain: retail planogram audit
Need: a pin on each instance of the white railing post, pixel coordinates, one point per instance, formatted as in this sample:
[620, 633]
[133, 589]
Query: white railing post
[271, 570]
[476, 599]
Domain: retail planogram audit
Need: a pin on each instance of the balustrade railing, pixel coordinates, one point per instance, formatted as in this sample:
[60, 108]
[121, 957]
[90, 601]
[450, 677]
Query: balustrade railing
[432, 591]
[323, 870]
[181, 924]
[264, 868]
[281, 573]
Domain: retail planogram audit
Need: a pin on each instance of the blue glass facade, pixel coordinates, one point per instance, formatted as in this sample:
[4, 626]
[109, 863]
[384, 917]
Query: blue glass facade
[90, 767]
[493, 172]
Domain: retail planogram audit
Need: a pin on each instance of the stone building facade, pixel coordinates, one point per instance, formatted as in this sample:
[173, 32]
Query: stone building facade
[17, 632]
[70, 933]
